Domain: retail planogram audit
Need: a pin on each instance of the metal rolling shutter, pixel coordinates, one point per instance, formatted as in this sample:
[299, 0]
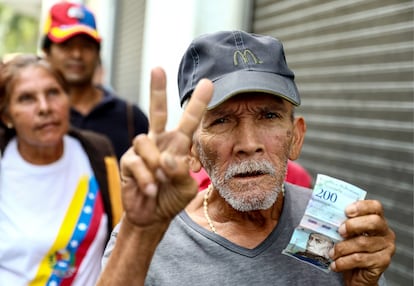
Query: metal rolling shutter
[127, 48]
[354, 66]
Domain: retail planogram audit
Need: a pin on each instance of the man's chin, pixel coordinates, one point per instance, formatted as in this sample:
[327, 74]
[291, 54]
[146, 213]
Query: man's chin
[77, 80]
[251, 200]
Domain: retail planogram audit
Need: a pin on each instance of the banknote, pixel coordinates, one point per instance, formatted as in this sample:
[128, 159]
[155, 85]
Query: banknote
[317, 231]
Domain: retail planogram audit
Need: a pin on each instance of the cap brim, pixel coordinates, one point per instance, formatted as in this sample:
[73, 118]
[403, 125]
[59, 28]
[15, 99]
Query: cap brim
[245, 81]
[59, 35]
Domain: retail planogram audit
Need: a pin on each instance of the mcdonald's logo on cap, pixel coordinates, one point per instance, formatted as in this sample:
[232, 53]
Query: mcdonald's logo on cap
[247, 56]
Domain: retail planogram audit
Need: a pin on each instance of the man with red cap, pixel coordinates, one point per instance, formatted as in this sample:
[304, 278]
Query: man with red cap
[71, 43]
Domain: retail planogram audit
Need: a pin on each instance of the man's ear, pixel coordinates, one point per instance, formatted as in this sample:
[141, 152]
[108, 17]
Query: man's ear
[299, 130]
[195, 164]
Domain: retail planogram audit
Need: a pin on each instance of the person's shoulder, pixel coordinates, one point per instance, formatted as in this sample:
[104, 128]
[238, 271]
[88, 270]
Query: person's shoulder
[107, 91]
[297, 190]
[120, 107]
[111, 96]
[114, 96]
[296, 198]
[136, 109]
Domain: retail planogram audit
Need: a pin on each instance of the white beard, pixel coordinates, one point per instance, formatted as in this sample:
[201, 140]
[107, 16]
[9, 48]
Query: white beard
[251, 203]
[248, 199]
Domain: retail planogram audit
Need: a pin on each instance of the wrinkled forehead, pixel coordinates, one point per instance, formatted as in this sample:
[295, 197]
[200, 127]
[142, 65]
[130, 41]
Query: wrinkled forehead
[248, 101]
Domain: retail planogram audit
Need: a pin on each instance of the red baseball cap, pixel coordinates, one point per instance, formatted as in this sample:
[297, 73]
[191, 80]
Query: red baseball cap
[66, 20]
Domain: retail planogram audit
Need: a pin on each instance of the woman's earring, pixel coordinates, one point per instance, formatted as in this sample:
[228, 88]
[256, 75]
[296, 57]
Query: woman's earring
[9, 125]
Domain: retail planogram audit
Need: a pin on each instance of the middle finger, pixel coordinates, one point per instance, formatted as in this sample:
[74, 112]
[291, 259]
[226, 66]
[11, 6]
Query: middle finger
[195, 109]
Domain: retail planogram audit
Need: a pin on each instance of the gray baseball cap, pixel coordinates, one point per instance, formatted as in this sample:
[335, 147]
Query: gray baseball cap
[237, 62]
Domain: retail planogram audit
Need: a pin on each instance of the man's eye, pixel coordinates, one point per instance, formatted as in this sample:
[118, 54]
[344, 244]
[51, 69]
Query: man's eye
[220, 121]
[271, 115]
[88, 45]
[64, 46]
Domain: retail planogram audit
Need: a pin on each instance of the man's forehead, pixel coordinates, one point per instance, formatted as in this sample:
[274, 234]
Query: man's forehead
[251, 98]
[80, 38]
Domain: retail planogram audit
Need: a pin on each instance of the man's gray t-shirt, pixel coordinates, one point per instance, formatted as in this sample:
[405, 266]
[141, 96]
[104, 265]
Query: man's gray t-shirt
[191, 255]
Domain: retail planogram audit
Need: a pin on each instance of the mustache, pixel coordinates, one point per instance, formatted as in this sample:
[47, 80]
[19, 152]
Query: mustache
[250, 168]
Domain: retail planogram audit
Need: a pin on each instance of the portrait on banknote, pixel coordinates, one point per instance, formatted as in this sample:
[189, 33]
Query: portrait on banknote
[317, 249]
[310, 247]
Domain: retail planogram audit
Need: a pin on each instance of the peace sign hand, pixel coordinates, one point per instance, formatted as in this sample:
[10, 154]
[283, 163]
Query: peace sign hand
[156, 183]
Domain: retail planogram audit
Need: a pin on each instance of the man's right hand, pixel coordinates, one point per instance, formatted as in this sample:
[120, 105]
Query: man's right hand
[156, 183]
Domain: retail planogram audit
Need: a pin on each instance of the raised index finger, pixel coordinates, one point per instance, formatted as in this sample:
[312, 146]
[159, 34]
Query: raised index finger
[158, 101]
[195, 109]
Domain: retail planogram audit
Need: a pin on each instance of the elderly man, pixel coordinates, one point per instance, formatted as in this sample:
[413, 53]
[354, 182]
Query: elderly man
[243, 134]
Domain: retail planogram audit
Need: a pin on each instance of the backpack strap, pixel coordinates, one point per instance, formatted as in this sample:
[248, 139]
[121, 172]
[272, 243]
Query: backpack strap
[114, 187]
[130, 122]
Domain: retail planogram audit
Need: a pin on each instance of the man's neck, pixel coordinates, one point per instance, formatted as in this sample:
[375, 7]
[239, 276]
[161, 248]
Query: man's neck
[246, 229]
[85, 98]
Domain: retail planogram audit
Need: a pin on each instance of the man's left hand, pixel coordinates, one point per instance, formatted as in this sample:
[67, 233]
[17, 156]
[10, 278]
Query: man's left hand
[368, 244]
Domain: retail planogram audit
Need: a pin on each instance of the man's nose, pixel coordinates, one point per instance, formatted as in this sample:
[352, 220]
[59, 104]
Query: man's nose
[248, 140]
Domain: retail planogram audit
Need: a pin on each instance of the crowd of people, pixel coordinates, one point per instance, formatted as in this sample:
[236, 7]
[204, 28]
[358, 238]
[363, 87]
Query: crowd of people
[94, 192]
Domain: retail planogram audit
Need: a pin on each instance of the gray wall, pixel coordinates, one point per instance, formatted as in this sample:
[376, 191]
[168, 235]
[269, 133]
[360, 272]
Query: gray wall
[127, 51]
[354, 66]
